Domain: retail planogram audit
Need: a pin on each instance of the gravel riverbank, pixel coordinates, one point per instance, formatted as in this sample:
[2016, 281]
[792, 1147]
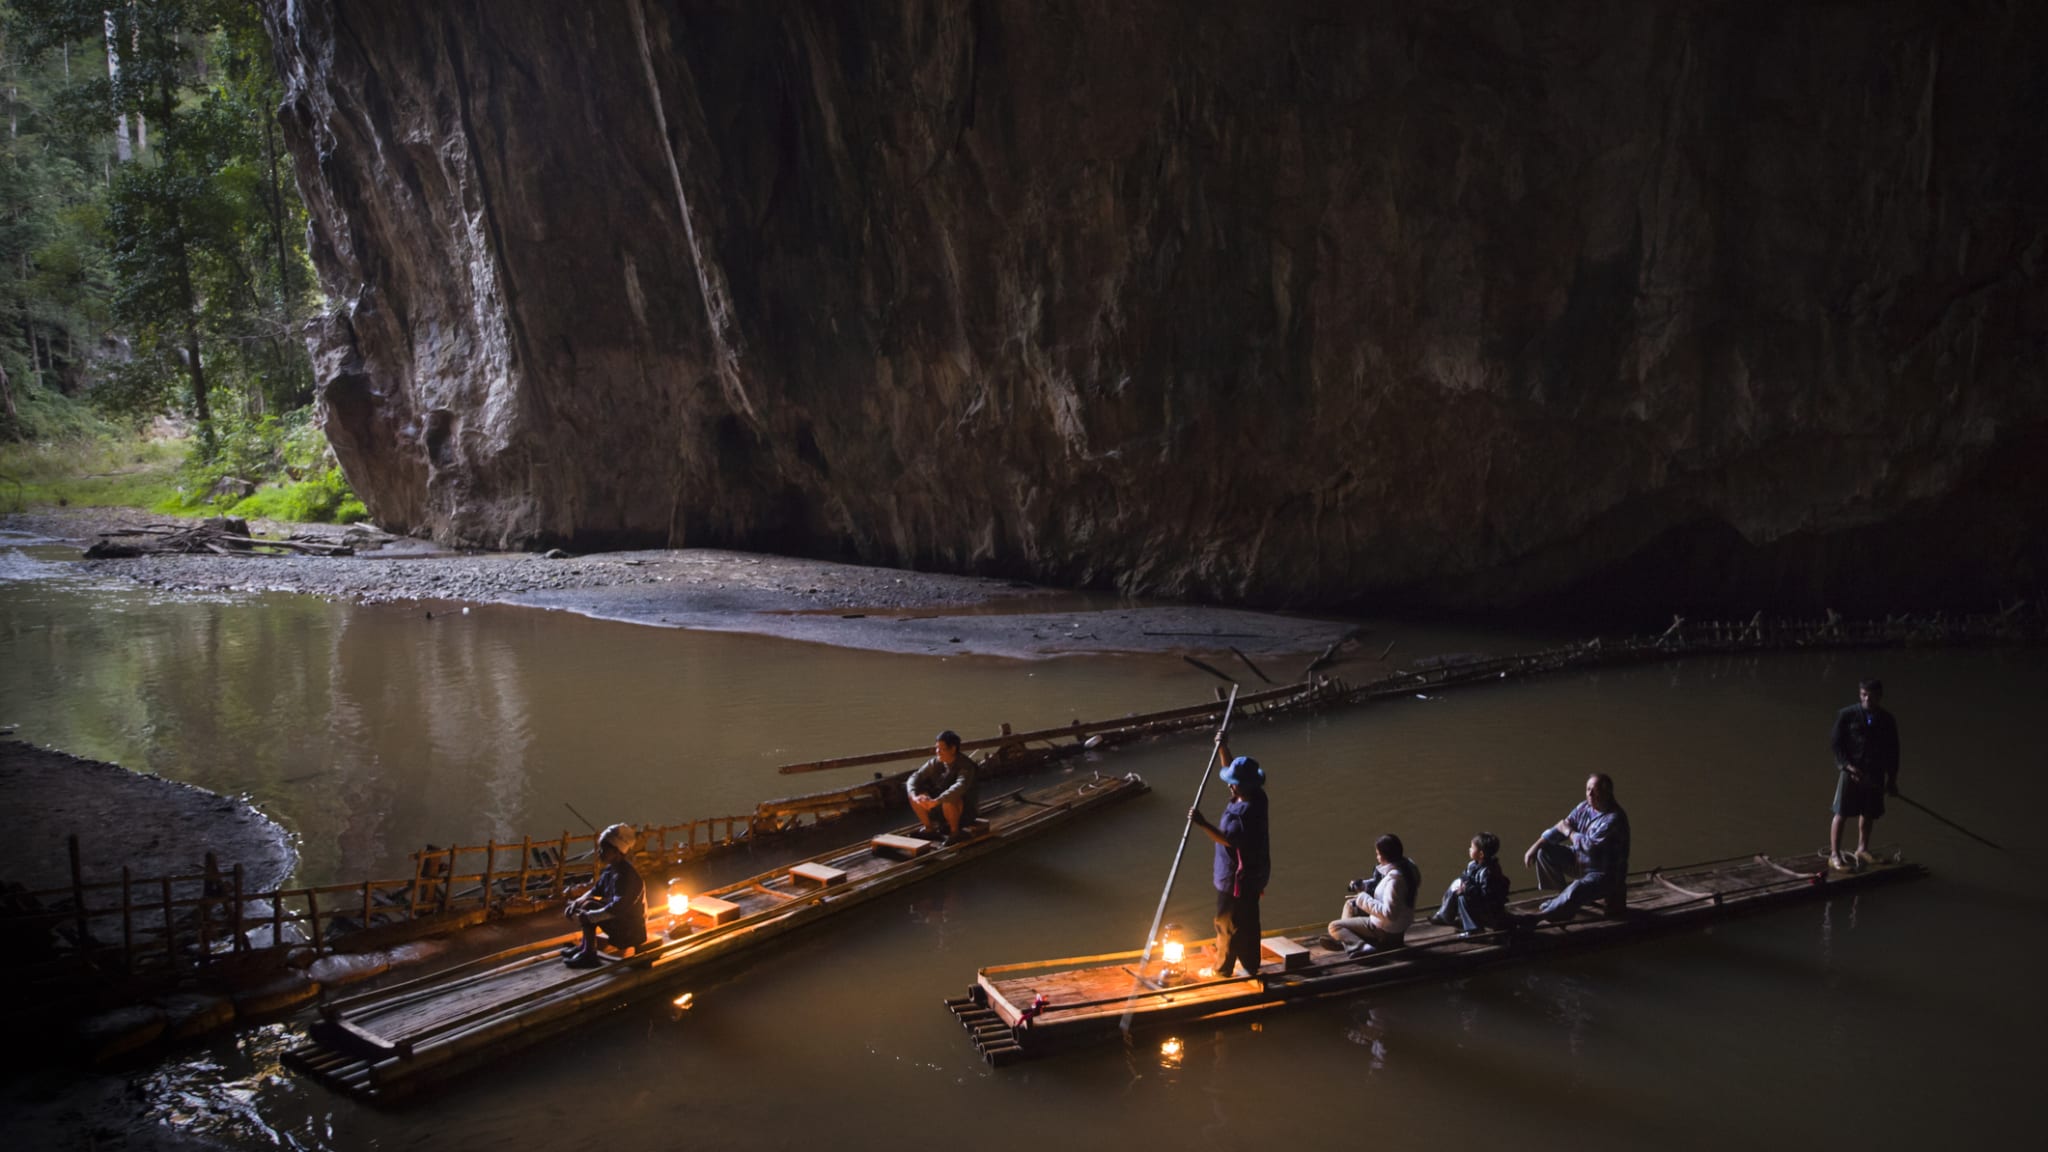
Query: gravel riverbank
[715, 590]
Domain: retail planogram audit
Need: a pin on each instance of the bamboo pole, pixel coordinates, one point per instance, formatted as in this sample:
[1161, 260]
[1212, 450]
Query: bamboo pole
[78, 895]
[419, 868]
[490, 862]
[170, 927]
[127, 923]
[448, 880]
[1215, 754]
[561, 860]
[312, 914]
[366, 905]
[277, 919]
[235, 918]
[525, 860]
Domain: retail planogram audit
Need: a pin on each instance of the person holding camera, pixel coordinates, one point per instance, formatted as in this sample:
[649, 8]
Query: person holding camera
[1381, 906]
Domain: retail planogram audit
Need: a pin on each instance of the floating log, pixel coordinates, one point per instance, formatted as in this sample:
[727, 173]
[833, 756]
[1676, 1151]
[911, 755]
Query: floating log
[1048, 1005]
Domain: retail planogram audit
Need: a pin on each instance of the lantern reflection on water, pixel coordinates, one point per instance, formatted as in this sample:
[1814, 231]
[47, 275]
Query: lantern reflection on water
[1169, 1052]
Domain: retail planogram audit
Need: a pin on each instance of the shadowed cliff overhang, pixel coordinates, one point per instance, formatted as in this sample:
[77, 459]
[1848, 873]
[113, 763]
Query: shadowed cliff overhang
[1306, 304]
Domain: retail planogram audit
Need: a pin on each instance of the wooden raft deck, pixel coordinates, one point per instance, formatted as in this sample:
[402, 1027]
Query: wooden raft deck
[388, 1042]
[1083, 999]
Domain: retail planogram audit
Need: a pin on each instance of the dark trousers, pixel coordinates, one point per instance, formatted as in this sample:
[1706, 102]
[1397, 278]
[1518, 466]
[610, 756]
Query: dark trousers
[1462, 912]
[1557, 866]
[615, 934]
[1237, 933]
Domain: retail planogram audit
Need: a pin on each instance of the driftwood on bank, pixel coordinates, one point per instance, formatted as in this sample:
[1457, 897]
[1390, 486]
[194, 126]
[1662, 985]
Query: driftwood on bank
[221, 536]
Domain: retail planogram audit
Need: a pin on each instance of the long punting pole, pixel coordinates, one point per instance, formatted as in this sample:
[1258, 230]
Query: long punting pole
[1130, 1006]
[1947, 821]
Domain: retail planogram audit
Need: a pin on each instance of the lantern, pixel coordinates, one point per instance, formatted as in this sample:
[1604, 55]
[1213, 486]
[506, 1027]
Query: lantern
[678, 901]
[1172, 951]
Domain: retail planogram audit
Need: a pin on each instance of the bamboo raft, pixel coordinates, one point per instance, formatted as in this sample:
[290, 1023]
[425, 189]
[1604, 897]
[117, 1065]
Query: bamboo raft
[1016, 1011]
[389, 1042]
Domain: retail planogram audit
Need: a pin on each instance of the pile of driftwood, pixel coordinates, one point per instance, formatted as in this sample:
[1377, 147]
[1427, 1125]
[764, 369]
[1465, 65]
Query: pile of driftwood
[222, 535]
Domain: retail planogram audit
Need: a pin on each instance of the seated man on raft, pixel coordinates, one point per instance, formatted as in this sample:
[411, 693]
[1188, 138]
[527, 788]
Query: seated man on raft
[1381, 906]
[1585, 854]
[945, 785]
[616, 902]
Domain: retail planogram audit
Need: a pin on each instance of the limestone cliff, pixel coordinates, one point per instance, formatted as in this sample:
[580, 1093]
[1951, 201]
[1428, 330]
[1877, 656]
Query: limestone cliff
[1290, 303]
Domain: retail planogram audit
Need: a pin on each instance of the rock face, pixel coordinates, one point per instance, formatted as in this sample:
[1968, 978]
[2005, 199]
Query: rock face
[1297, 303]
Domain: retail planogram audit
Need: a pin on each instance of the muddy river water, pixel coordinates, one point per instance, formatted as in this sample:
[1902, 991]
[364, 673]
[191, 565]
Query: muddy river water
[1906, 1017]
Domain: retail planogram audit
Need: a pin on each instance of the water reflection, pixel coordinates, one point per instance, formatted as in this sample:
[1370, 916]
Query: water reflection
[375, 729]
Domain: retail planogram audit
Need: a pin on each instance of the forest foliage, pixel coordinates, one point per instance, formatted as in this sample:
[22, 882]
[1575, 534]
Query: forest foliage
[152, 241]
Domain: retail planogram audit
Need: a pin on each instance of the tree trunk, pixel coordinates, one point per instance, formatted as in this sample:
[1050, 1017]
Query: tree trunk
[284, 268]
[123, 150]
[7, 398]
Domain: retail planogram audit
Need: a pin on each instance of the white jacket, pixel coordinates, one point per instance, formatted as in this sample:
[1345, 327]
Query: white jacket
[1388, 904]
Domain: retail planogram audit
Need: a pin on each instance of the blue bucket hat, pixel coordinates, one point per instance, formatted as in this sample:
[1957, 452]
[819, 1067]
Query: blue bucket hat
[1244, 772]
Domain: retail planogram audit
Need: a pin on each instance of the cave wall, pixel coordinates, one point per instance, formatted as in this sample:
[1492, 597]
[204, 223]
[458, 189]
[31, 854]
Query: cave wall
[1298, 303]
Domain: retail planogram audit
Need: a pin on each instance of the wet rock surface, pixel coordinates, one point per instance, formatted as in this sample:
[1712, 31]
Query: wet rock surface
[1289, 304]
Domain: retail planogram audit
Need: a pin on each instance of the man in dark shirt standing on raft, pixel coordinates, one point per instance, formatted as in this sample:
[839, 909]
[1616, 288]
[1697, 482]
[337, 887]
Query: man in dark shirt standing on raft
[1866, 748]
[944, 785]
[1244, 861]
[617, 902]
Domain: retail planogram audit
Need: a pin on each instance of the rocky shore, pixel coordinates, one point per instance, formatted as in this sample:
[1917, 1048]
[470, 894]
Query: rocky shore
[811, 600]
[156, 827]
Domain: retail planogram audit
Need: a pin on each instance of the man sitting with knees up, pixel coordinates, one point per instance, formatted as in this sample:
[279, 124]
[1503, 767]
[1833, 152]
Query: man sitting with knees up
[617, 902]
[944, 787]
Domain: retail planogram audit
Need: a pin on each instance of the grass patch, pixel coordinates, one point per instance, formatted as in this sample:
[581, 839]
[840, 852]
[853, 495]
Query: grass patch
[324, 499]
[90, 472]
[287, 458]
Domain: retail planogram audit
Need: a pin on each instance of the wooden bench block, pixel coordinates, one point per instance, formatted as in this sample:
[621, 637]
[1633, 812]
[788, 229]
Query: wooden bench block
[823, 875]
[710, 911]
[894, 845]
[1287, 952]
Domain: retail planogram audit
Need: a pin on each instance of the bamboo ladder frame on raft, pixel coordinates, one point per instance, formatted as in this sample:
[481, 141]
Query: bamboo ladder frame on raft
[1173, 873]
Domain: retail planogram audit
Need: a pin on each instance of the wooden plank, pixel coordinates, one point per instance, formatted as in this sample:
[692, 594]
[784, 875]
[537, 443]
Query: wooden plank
[909, 847]
[822, 875]
[710, 911]
[1290, 954]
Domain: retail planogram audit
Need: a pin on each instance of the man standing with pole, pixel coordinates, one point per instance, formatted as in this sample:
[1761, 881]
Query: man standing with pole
[1866, 747]
[1244, 861]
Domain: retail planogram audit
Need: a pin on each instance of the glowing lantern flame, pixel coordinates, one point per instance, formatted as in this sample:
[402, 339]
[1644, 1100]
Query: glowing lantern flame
[684, 1001]
[1174, 951]
[678, 901]
[1171, 1049]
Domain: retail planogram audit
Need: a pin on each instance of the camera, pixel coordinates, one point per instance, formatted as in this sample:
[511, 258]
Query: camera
[1359, 885]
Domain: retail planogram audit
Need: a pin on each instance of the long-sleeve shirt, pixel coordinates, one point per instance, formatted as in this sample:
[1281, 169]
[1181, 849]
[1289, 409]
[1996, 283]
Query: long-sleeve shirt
[1868, 740]
[1599, 839]
[1244, 863]
[1390, 904]
[619, 901]
[937, 780]
[1486, 886]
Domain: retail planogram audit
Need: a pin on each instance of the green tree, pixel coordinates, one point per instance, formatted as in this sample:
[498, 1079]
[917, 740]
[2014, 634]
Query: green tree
[194, 250]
